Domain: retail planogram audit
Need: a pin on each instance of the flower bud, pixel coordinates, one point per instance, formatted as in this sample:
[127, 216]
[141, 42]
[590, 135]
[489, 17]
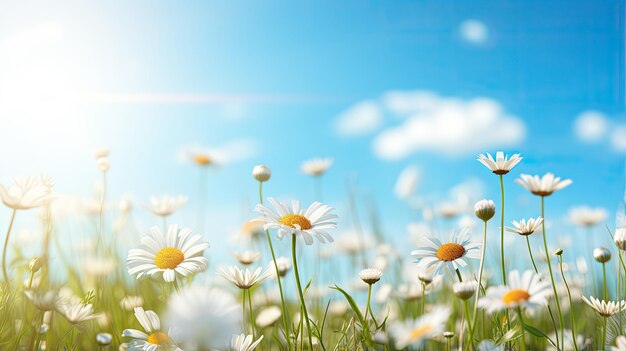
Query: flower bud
[602, 254]
[558, 252]
[370, 275]
[464, 290]
[620, 238]
[104, 339]
[448, 334]
[103, 163]
[261, 173]
[485, 209]
[425, 278]
[35, 264]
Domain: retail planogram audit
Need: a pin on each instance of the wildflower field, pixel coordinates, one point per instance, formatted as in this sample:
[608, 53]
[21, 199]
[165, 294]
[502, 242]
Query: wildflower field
[274, 175]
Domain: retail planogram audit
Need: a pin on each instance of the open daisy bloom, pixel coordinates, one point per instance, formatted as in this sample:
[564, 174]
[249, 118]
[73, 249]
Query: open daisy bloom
[309, 223]
[543, 186]
[26, 193]
[604, 308]
[524, 227]
[526, 290]
[502, 164]
[317, 166]
[166, 205]
[179, 253]
[433, 255]
[416, 332]
[154, 339]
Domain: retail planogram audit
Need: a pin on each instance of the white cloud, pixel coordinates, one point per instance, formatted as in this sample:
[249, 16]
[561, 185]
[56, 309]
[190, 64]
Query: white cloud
[408, 102]
[360, 119]
[474, 31]
[618, 138]
[591, 126]
[450, 126]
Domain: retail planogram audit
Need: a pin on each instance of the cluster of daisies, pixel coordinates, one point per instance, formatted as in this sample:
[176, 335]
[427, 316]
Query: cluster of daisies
[451, 295]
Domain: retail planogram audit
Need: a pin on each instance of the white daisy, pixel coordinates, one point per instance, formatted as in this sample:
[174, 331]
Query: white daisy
[543, 186]
[77, 313]
[179, 253]
[244, 279]
[416, 332]
[433, 255]
[316, 166]
[605, 309]
[268, 316]
[44, 302]
[525, 228]
[502, 164]
[370, 275]
[166, 205]
[247, 257]
[309, 223]
[153, 339]
[25, 193]
[205, 318]
[243, 342]
[527, 290]
[586, 216]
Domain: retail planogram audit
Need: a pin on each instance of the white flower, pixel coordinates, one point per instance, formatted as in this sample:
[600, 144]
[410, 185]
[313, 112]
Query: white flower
[130, 302]
[104, 339]
[242, 342]
[525, 228]
[620, 238]
[205, 318]
[268, 316]
[502, 164]
[527, 290]
[179, 254]
[261, 173]
[416, 332]
[433, 255]
[605, 309]
[247, 257]
[489, 345]
[409, 291]
[309, 223]
[620, 343]
[43, 302]
[77, 313]
[283, 264]
[485, 209]
[316, 166]
[166, 205]
[370, 275]
[602, 254]
[154, 339]
[244, 279]
[25, 193]
[543, 186]
[586, 217]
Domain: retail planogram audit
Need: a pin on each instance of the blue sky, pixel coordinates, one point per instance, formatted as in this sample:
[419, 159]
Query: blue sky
[149, 78]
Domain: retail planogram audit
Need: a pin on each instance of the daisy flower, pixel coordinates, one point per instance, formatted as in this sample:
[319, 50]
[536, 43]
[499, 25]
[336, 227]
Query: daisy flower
[26, 193]
[166, 257]
[247, 257]
[44, 302]
[77, 313]
[316, 166]
[166, 205]
[416, 332]
[587, 217]
[620, 344]
[543, 186]
[243, 342]
[153, 339]
[605, 309]
[244, 279]
[433, 255]
[268, 316]
[526, 290]
[309, 223]
[525, 228]
[502, 164]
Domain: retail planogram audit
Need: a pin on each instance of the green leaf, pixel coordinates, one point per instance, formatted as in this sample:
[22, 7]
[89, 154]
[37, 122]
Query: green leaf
[538, 333]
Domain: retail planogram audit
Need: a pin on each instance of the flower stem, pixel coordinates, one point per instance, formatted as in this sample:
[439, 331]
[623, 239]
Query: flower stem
[502, 229]
[603, 334]
[571, 306]
[302, 302]
[4, 249]
[556, 295]
[521, 320]
[280, 285]
[423, 302]
[604, 281]
[251, 314]
[369, 296]
[480, 279]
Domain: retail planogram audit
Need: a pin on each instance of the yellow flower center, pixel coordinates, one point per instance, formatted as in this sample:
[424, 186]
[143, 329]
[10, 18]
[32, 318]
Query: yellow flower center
[202, 160]
[450, 251]
[293, 219]
[169, 257]
[158, 338]
[420, 331]
[515, 296]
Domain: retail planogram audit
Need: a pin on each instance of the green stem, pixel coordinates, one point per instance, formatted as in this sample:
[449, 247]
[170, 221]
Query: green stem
[571, 305]
[243, 309]
[469, 321]
[369, 296]
[556, 295]
[302, 302]
[251, 314]
[423, 302]
[521, 320]
[604, 281]
[480, 279]
[603, 334]
[280, 285]
[4, 250]
[502, 229]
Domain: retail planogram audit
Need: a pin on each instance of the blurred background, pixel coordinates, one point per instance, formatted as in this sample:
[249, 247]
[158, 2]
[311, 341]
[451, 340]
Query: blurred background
[382, 88]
